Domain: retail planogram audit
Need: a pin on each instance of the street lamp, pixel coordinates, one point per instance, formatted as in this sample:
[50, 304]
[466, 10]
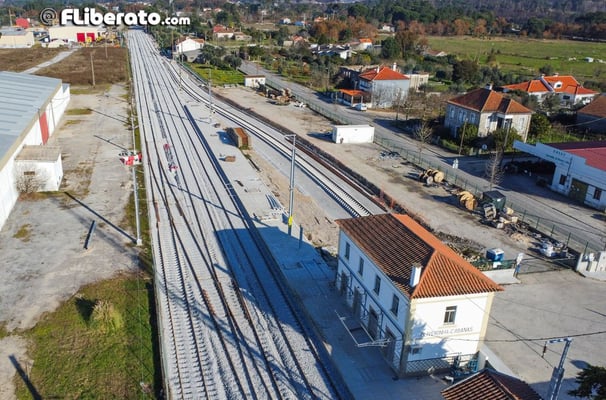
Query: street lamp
[291, 188]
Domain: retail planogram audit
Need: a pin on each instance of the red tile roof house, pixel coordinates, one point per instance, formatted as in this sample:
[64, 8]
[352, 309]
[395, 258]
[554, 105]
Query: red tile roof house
[566, 87]
[490, 385]
[384, 86]
[489, 111]
[410, 294]
[593, 116]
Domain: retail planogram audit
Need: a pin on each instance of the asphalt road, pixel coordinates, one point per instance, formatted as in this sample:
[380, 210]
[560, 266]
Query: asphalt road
[581, 227]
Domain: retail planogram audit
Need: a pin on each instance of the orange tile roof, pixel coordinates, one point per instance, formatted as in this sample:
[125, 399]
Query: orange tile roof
[395, 242]
[352, 92]
[384, 74]
[365, 40]
[490, 385]
[486, 100]
[533, 86]
[597, 108]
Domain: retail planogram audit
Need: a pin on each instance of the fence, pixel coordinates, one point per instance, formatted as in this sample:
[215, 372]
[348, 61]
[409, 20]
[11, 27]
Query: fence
[539, 224]
[544, 226]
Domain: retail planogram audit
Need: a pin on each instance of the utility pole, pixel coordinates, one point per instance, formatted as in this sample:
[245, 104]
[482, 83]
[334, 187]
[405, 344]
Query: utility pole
[291, 187]
[92, 68]
[462, 136]
[558, 373]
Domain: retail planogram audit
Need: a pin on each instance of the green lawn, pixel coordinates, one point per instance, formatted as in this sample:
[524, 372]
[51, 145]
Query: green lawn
[77, 357]
[525, 56]
[218, 77]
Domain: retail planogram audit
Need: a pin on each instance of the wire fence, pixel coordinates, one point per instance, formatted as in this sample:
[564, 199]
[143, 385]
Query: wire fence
[545, 226]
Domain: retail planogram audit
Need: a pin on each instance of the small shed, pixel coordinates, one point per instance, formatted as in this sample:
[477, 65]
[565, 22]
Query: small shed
[38, 169]
[254, 81]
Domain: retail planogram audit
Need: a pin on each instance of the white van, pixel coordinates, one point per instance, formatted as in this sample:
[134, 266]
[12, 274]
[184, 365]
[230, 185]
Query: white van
[361, 107]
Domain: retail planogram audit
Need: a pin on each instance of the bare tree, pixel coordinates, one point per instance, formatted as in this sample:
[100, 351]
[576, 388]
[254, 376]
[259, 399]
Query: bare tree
[423, 134]
[493, 172]
[28, 179]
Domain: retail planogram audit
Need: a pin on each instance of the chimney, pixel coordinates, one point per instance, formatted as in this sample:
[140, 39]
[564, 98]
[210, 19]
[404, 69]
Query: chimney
[394, 67]
[488, 86]
[378, 68]
[415, 274]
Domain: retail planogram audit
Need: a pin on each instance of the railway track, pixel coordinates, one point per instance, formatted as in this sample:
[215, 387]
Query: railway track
[228, 327]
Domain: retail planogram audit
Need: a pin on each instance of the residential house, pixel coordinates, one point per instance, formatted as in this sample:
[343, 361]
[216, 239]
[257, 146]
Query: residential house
[489, 384]
[221, 32]
[385, 86]
[566, 87]
[343, 51]
[489, 111]
[187, 44]
[362, 44]
[412, 295]
[418, 79]
[593, 115]
[387, 28]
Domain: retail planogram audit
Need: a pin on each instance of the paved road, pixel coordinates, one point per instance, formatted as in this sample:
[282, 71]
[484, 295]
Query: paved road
[569, 222]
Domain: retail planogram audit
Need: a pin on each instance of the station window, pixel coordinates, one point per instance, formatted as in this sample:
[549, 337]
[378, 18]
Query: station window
[597, 194]
[377, 288]
[361, 267]
[450, 315]
[395, 303]
[347, 251]
[562, 179]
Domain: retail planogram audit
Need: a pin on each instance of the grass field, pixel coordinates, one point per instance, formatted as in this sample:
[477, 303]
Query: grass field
[18, 60]
[76, 69]
[218, 77]
[79, 356]
[525, 56]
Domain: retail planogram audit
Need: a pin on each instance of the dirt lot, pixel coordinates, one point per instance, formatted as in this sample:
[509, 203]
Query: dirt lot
[110, 66]
[21, 59]
[433, 205]
[43, 259]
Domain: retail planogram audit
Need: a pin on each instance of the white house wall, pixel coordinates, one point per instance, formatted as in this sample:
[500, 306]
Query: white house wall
[435, 339]
[381, 303]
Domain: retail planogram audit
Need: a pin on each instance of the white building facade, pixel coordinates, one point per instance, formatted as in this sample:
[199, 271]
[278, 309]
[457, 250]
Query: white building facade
[398, 280]
[580, 169]
[31, 107]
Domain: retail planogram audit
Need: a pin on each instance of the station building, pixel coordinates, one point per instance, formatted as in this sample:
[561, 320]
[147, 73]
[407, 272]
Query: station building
[30, 109]
[580, 169]
[414, 297]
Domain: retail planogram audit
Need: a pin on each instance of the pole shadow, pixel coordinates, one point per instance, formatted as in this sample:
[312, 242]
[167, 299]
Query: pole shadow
[25, 378]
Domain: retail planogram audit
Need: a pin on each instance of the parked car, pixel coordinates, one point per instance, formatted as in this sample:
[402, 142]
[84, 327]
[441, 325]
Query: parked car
[361, 107]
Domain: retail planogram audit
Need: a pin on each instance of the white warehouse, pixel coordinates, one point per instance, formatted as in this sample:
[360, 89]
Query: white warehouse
[30, 109]
[580, 169]
[424, 305]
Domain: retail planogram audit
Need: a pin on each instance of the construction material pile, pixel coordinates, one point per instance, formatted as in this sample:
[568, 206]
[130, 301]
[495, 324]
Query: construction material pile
[430, 176]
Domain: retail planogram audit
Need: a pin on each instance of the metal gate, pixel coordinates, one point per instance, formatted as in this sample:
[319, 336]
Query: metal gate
[578, 190]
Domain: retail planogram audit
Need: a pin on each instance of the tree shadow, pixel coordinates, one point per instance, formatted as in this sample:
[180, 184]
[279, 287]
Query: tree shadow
[85, 308]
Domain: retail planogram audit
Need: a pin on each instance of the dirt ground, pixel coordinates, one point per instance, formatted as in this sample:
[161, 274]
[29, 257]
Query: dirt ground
[434, 205]
[43, 258]
[110, 66]
[22, 59]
